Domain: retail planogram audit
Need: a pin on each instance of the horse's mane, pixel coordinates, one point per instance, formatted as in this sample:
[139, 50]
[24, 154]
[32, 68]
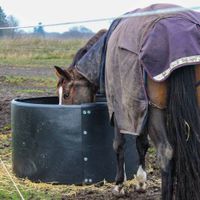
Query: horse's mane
[82, 51]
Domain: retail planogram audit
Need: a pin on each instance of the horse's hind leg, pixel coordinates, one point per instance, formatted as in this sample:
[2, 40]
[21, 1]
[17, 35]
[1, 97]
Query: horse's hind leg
[157, 133]
[167, 181]
[118, 145]
[142, 145]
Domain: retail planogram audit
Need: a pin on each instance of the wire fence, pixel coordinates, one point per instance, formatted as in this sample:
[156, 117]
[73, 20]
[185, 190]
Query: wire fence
[146, 13]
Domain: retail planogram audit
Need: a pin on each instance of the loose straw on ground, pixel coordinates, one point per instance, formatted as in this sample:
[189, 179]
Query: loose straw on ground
[9, 175]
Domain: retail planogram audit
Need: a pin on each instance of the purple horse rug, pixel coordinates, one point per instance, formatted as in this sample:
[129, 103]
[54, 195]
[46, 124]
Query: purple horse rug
[155, 44]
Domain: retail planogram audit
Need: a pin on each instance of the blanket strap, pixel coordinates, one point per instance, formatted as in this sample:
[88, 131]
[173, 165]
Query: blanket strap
[197, 83]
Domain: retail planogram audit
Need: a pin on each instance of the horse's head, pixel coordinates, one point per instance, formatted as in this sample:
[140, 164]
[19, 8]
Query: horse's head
[73, 88]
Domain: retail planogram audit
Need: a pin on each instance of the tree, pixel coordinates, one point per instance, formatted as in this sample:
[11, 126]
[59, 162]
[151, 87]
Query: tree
[3, 21]
[84, 29]
[39, 30]
[7, 21]
[80, 29]
[78, 32]
[12, 22]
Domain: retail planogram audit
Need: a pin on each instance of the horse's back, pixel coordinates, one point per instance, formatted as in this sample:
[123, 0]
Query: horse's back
[125, 90]
[125, 83]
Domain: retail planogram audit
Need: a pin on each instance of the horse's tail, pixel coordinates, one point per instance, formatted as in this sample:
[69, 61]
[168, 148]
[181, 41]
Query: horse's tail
[183, 123]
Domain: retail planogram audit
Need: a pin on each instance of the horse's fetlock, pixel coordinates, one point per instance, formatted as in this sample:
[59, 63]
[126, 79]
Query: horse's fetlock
[118, 190]
[165, 154]
[168, 152]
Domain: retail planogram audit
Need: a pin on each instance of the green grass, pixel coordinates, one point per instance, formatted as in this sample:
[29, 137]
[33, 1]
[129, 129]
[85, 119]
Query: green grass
[28, 91]
[152, 150]
[35, 81]
[18, 80]
[31, 190]
[33, 52]
[26, 52]
[7, 127]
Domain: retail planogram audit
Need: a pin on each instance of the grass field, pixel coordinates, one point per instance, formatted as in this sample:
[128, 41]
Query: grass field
[26, 70]
[37, 52]
[30, 55]
[30, 190]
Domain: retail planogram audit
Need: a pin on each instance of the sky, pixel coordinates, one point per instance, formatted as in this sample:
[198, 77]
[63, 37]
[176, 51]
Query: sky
[31, 12]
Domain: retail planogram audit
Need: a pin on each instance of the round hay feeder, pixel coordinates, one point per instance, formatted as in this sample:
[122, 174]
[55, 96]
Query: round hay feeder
[68, 144]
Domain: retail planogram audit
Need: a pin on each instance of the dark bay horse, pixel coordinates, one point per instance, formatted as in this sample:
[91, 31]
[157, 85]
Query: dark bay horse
[153, 75]
[64, 76]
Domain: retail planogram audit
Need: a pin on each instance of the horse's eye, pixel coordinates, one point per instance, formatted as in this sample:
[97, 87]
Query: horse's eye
[66, 95]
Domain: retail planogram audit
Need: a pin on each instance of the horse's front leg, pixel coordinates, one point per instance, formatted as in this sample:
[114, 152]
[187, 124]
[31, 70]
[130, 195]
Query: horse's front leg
[142, 145]
[118, 146]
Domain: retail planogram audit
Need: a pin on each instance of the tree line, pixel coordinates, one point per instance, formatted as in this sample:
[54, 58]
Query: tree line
[7, 21]
[38, 30]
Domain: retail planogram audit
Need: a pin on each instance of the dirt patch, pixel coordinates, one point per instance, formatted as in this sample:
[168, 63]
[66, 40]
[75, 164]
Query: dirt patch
[13, 89]
[26, 71]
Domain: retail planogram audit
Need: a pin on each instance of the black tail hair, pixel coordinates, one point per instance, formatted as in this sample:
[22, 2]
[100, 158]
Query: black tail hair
[184, 133]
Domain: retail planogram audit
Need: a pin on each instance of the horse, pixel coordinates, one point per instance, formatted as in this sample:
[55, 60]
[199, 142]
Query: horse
[64, 96]
[165, 76]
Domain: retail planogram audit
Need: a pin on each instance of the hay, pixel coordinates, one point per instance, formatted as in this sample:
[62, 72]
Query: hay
[32, 190]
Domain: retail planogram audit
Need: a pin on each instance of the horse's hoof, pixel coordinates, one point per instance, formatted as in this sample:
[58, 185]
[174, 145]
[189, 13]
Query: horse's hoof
[141, 178]
[118, 191]
[141, 187]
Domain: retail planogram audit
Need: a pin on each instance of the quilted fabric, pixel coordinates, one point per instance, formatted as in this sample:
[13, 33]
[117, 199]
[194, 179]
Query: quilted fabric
[150, 43]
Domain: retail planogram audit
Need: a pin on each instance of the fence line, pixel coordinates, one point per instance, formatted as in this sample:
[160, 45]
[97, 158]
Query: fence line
[159, 11]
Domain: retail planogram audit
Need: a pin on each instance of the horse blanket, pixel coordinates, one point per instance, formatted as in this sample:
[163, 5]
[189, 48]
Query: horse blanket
[155, 44]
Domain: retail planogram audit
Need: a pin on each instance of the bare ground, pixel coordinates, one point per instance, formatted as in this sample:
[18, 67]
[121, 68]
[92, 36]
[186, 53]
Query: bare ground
[9, 91]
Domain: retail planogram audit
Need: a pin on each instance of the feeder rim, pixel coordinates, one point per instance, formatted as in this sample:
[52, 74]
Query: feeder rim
[24, 103]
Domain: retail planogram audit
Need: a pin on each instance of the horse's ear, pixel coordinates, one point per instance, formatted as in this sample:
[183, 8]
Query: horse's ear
[61, 73]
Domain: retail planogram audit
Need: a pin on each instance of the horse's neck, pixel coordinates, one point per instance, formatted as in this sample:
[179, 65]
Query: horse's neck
[91, 63]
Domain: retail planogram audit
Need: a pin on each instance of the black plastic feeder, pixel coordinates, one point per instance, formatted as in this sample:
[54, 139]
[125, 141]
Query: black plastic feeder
[68, 144]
